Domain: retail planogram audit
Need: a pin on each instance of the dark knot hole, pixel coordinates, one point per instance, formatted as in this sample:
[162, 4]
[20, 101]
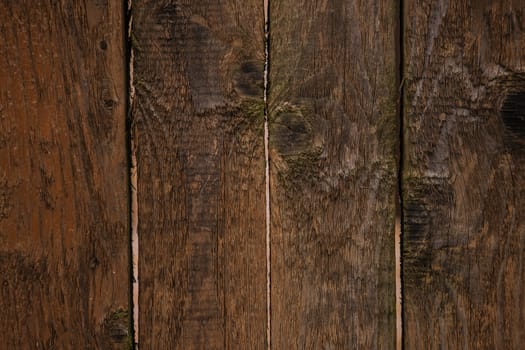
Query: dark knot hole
[513, 113]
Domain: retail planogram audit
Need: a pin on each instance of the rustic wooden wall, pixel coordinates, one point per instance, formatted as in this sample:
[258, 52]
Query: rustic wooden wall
[198, 115]
[463, 174]
[334, 112]
[333, 136]
[63, 189]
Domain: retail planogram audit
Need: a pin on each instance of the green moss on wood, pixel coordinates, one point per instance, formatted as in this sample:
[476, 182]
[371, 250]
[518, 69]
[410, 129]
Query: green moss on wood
[117, 327]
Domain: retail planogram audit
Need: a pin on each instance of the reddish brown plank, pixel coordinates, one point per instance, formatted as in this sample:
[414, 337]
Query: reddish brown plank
[333, 121]
[198, 116]
[464, 182]
[63, 188]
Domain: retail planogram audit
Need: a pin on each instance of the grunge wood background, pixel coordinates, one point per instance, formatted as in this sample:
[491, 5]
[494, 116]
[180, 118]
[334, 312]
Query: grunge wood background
[228, 174]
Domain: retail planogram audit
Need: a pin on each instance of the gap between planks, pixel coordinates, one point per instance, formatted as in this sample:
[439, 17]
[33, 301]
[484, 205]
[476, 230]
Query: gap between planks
[133, 191]
[267, 173]
[397, 242]
[398, 231]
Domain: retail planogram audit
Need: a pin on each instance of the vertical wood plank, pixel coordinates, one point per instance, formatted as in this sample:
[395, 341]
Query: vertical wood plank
[63, 169]
[198, 115]
[333, 121]
[464, 227]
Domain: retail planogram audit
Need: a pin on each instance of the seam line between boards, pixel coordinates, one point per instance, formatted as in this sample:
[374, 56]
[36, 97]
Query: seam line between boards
[399, 214]
[267, 173]
[132, 173]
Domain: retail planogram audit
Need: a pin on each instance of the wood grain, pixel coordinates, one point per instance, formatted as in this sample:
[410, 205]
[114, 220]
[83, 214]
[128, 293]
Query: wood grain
[198, 116]
[464, 182]
[333, 121]
[63, 169]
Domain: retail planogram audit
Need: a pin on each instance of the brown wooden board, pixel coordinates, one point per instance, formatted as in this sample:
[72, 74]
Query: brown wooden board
[333, 139]
[464, 174]
[198, 122]
[63, 169]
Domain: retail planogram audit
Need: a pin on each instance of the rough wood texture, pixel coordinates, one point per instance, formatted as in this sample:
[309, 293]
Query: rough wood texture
[198, 115]
[63, 189]
[333, 122]
[464, 174]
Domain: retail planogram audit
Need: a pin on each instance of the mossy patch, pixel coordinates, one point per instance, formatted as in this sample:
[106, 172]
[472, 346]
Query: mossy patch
[291, 131]
[117, 327]
[292, 139]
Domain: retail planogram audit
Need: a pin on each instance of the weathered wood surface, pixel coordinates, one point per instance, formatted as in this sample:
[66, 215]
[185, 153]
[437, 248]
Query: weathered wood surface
[464, 174]
[333, 137]
[198, 121]
[63, 189]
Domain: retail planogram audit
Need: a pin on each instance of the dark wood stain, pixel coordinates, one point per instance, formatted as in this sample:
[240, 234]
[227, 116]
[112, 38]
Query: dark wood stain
[512, 112]
[63, 188]
[198, 116]
[464, 231]
[333, 120]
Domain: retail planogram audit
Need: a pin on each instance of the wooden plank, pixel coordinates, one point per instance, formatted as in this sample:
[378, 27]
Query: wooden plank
[63, 170]
[198, 115]
[464, 174]
[333, 121]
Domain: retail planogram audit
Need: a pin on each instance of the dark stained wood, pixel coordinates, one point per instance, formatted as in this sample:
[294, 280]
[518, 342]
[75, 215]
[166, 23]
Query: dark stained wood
[198, 116]
[63, 170]
[464, 174]
[333, 121]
